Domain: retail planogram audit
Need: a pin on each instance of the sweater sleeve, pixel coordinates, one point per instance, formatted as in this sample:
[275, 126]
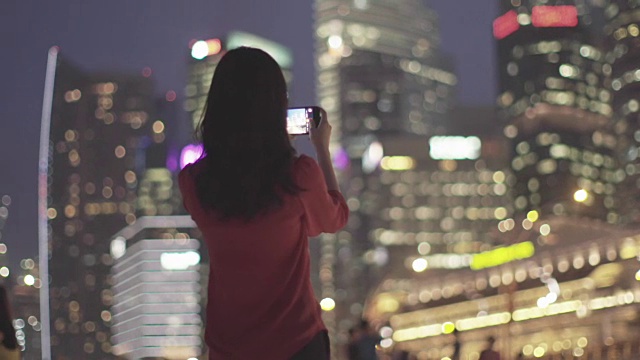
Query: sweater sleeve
[325, 210]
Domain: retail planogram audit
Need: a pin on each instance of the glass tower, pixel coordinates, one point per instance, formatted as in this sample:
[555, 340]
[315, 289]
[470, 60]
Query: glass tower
[89, 166]
[554, 98]
[383, 82]
[623, 61]
[205, 55]
[159, 289]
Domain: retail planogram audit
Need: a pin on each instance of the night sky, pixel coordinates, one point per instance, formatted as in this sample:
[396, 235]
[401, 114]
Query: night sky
[128, 35]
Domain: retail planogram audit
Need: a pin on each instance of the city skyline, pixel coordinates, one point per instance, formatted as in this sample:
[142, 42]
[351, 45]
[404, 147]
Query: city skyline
[157, 38]
[508, 214]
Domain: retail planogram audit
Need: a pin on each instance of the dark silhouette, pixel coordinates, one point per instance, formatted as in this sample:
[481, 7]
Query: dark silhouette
[8, 343]
[456, 346]
[352, 345]
[247, 150]
[367, 342]
[489, 353]
[401, 355]
[257, 204]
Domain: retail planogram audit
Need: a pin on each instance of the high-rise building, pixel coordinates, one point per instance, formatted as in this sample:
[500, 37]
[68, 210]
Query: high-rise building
[382, 81]
[159, 153]
[159, 289]
[5, 203]
[556, 105]
[205, 55]
[26, 308]
[623, 64]
[448, 202]
[545, 292]
[22, 283]
[89, 168]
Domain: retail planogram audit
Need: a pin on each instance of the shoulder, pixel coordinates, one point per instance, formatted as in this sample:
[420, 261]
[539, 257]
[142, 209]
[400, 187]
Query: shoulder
[188, 173]
[305, 168]
[304, 163]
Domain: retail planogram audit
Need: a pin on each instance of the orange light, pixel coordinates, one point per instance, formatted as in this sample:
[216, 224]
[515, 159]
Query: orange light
[214, 45]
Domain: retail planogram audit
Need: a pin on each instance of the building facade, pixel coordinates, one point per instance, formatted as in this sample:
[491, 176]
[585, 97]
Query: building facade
[623, 47]
[382, 80]
[562, 281]
[556, 105]
[159, 289]
[205, 55]
[88, 176]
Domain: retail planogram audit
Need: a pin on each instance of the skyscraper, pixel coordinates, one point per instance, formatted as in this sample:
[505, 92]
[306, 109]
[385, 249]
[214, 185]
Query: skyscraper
[205, 55]
[382, 81]
[88, 175]
[557, 83]
[556, 105]
[623, 46]
[159, 289]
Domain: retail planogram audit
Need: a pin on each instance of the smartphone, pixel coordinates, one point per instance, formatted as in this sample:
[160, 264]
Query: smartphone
[300, 118]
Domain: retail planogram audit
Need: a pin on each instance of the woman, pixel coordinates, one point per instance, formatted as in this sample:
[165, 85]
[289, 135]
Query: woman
[9, 349]
[256, 204]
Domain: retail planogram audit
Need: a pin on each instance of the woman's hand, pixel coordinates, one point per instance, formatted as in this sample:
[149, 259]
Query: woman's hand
[321, 136]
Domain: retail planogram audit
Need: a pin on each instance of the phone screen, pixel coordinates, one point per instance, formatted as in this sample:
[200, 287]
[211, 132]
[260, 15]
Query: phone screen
[298, 120]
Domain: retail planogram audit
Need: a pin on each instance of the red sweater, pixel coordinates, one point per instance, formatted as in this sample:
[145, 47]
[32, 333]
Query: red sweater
[261, 304]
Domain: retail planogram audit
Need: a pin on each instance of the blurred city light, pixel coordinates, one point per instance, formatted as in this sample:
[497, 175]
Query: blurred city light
[179, 260]
[200, 50]
[448, 328]
[581, 195]
[327, 304]
[190, 154]
[29, 280]
[419, 265]
[554, 16]
[454, 147]
[502, 255]
[397, 163]
[505, 25]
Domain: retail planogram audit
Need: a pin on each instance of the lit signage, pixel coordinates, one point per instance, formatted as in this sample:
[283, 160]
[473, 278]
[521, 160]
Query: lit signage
[505, 25]
[397, 163]
[190, 154]
[372, 157]
[118, 247]
[554, 16]
[179, 260]
[502, 255]
[454, 147]
[203, 48]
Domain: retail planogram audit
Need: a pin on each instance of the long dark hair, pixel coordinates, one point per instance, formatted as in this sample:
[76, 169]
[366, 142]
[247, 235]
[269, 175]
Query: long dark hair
[247, 152]
[6, 321]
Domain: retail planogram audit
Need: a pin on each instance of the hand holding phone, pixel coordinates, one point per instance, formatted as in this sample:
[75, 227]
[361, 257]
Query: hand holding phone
[300, 119]
[321, 135]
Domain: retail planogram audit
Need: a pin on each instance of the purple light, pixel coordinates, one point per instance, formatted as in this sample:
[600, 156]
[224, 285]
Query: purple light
[172, 162]
[190, 154]
[341, 159]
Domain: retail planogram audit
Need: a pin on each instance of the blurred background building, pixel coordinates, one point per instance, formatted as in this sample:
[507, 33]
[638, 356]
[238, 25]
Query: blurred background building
[554, 98]
[22, 284]
[205, 55]
[623, 64]
[91, 160]
[558, 277]
[519, 223]
[386, 87]
[160, 274]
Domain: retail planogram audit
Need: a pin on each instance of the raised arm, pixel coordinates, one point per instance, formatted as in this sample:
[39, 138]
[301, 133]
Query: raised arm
[320, 138]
